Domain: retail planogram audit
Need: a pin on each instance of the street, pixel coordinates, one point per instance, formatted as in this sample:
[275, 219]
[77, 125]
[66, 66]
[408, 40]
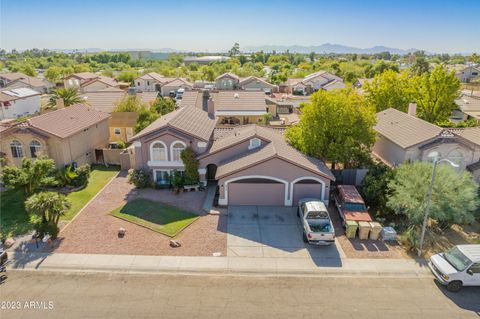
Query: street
[102, 295]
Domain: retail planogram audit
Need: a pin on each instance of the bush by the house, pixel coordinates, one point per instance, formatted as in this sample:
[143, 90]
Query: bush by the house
[138, 177]
[177, 180]
[83, 174]
[74, 177]
[190, 161]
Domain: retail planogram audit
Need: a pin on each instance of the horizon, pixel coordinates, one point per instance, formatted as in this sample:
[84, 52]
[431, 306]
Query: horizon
[186, 27]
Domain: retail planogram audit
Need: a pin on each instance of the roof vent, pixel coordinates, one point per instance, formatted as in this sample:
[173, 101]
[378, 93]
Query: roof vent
[236, 96]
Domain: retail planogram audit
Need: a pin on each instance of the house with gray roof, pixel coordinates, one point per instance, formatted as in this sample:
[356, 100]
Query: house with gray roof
[17, 80]
[252, 165]
[403, 137]
[321, 80]
[154, 82]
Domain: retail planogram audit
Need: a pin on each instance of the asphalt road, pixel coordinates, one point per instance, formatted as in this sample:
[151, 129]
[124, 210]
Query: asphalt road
[101, 295]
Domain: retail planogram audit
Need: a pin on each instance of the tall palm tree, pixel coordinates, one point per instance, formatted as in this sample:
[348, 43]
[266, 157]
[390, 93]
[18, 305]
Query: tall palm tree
[48, 205]
[69, 96]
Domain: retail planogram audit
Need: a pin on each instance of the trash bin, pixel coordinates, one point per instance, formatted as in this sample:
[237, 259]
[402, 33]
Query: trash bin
[363, 230]
[375, 230]
[388, 233]
[351, 227]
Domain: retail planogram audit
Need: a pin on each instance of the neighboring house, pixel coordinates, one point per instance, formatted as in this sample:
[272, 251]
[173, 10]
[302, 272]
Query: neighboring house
[468, 74]
[227, 81]
[253, 83]
[207, 59]
[154, 82]
[68, 135]
[19, 80]
[403, 137]
[89, 82]
[239, 107]
[16, 103]
[468, 108]
[173, 86]
[252, 165]
[104, 100]
[313, 82]
[283, 111]
[122, 126]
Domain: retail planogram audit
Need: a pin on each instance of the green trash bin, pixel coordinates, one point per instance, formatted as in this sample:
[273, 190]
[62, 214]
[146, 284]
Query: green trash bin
[351, 228]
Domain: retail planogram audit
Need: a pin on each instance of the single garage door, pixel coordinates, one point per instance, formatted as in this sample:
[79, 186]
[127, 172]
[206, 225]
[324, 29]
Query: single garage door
[306, 188]
[256, 192]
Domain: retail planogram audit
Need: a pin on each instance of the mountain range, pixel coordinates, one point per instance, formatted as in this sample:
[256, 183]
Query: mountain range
[326, 48]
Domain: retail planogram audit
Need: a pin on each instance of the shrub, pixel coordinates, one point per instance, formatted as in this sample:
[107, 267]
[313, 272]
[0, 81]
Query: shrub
[139, 178]
[190, 161]
[177, 180]
[82, 175]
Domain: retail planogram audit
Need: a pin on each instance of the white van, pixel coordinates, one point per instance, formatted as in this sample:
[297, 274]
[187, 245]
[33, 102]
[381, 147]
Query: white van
[458, 267]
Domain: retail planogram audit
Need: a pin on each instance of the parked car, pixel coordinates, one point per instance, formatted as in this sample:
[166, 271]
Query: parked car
[458, 267]
[317, 225]
[350, 204]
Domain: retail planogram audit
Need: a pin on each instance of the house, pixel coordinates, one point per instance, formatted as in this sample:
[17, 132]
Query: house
[253, 165]
[121, 126]
[68, 135]
[154, 82]
[227, 81]
[253, 83]
[89, 82]
[16, 103]
[104, 100]
[403, 137]
[239, 107]
[468, 107]
[174, 86]
[19, 80]
[313, 82]
[207, 59]
[468, 74]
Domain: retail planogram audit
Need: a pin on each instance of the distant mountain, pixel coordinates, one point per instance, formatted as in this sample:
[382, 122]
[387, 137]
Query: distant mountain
[326, 48]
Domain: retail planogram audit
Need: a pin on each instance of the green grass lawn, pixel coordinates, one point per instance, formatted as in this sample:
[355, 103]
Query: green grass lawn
[99, 177]
[167, 220]
[14, 220]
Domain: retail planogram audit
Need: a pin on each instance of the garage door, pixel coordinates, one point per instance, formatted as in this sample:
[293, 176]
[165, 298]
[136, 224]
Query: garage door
[256, 192]
[306, 188]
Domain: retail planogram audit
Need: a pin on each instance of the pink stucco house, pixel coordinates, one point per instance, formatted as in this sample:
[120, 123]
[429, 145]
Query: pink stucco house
[253, 165]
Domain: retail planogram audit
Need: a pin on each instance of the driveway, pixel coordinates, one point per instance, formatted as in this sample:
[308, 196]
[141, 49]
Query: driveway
[267, 231]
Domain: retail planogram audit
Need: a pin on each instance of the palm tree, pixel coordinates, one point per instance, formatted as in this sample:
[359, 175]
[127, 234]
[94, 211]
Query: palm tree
[48, 205]
[69, 96]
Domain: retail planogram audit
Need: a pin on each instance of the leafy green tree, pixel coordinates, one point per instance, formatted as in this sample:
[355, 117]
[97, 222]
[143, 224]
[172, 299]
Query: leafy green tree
[29, 70]
[127, 75]
[454, 195]
[31, 176]
[49, 207]
[53, 74]
[130, 103]
[335, 126]
[374, 190]
[145, 118]
[420, 66]
[235, 50]
[191, 163]
[70, 96]
[163, 105]
[435, 94]
[390, 90]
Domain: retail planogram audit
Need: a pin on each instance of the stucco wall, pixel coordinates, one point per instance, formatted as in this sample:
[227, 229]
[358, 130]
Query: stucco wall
[20, 107]
[389, 151]
[25, 138]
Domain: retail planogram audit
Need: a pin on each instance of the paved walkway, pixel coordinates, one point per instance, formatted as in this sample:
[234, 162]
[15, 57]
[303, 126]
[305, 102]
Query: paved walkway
[219, 265]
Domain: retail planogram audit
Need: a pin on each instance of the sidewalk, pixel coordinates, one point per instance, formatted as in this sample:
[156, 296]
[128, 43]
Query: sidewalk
[219, 265]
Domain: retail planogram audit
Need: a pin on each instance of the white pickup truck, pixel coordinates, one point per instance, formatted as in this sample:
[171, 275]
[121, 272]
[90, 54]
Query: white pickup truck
[317, 225]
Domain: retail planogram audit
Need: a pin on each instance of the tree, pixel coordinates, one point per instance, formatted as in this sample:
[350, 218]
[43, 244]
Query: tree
[336, 126]
[127, 75]
[130, 103]
[374, 189]
[32, 175]
[70, 96]
[420, 66]
[235, 50]
[435, 94]
[145, 118]
[163, 105]
[189, 158]
[454, 194]
[53, 74]
[48, 206]
[390, 90]
[29, 70]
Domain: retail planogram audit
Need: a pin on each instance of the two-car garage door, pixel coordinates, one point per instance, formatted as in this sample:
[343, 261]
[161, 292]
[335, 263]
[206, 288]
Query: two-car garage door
[256, 191]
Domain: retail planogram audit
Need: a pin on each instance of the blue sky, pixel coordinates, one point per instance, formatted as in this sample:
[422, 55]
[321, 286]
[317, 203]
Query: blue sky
[437, 26]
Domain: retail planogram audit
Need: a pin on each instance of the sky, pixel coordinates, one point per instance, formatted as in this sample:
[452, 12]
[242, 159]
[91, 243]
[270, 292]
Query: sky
[210, 26]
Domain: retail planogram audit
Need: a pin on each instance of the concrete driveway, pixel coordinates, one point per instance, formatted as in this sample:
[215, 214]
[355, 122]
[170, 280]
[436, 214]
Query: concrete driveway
[267, 231]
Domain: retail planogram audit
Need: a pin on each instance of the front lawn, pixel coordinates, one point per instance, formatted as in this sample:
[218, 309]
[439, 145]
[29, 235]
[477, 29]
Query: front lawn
[99, 177]
[14, 220]
[164, 219]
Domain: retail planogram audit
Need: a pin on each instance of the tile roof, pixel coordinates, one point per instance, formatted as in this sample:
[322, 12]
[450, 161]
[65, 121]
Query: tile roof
[20, 77]
[228, 74]
[276, 147]
[12, 76]
[104, 79]
[471, 134]
[240, 101]
[403, 129]
[332, 85]
[178, 82]
[147, 97]
[84, 75]
[104, 101]
[157, 77]
[67, 121]
[255, 79]
[190, 120]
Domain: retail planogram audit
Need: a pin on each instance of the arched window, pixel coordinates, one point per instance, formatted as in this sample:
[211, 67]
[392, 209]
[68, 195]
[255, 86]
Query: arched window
[158, 152]
[177, 148]
[456, 157]
[16, 147]
[35, 148]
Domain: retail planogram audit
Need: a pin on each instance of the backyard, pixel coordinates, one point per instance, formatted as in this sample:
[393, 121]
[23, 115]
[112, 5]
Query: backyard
[14, 220]
[165, 219]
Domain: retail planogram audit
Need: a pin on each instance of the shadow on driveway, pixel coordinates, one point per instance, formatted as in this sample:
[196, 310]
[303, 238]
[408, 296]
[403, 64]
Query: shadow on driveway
[467, 298]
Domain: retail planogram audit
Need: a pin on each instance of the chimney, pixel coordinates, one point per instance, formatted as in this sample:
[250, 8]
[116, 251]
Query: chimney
[211, 108]
[412, 109]
[59, 103]
[205, 98]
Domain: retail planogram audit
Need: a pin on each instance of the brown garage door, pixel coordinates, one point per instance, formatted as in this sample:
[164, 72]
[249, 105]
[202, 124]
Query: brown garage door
[306, 188]
[256, 192]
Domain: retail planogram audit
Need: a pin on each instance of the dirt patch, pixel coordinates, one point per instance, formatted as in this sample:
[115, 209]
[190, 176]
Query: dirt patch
[455, 235]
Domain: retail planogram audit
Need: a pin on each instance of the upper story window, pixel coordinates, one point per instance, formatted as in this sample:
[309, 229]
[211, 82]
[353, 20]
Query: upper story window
[158, 151]
[177, 148]
[35, 148]
[456, 157]
[117, 131]
[17, 149]
[254, 143]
